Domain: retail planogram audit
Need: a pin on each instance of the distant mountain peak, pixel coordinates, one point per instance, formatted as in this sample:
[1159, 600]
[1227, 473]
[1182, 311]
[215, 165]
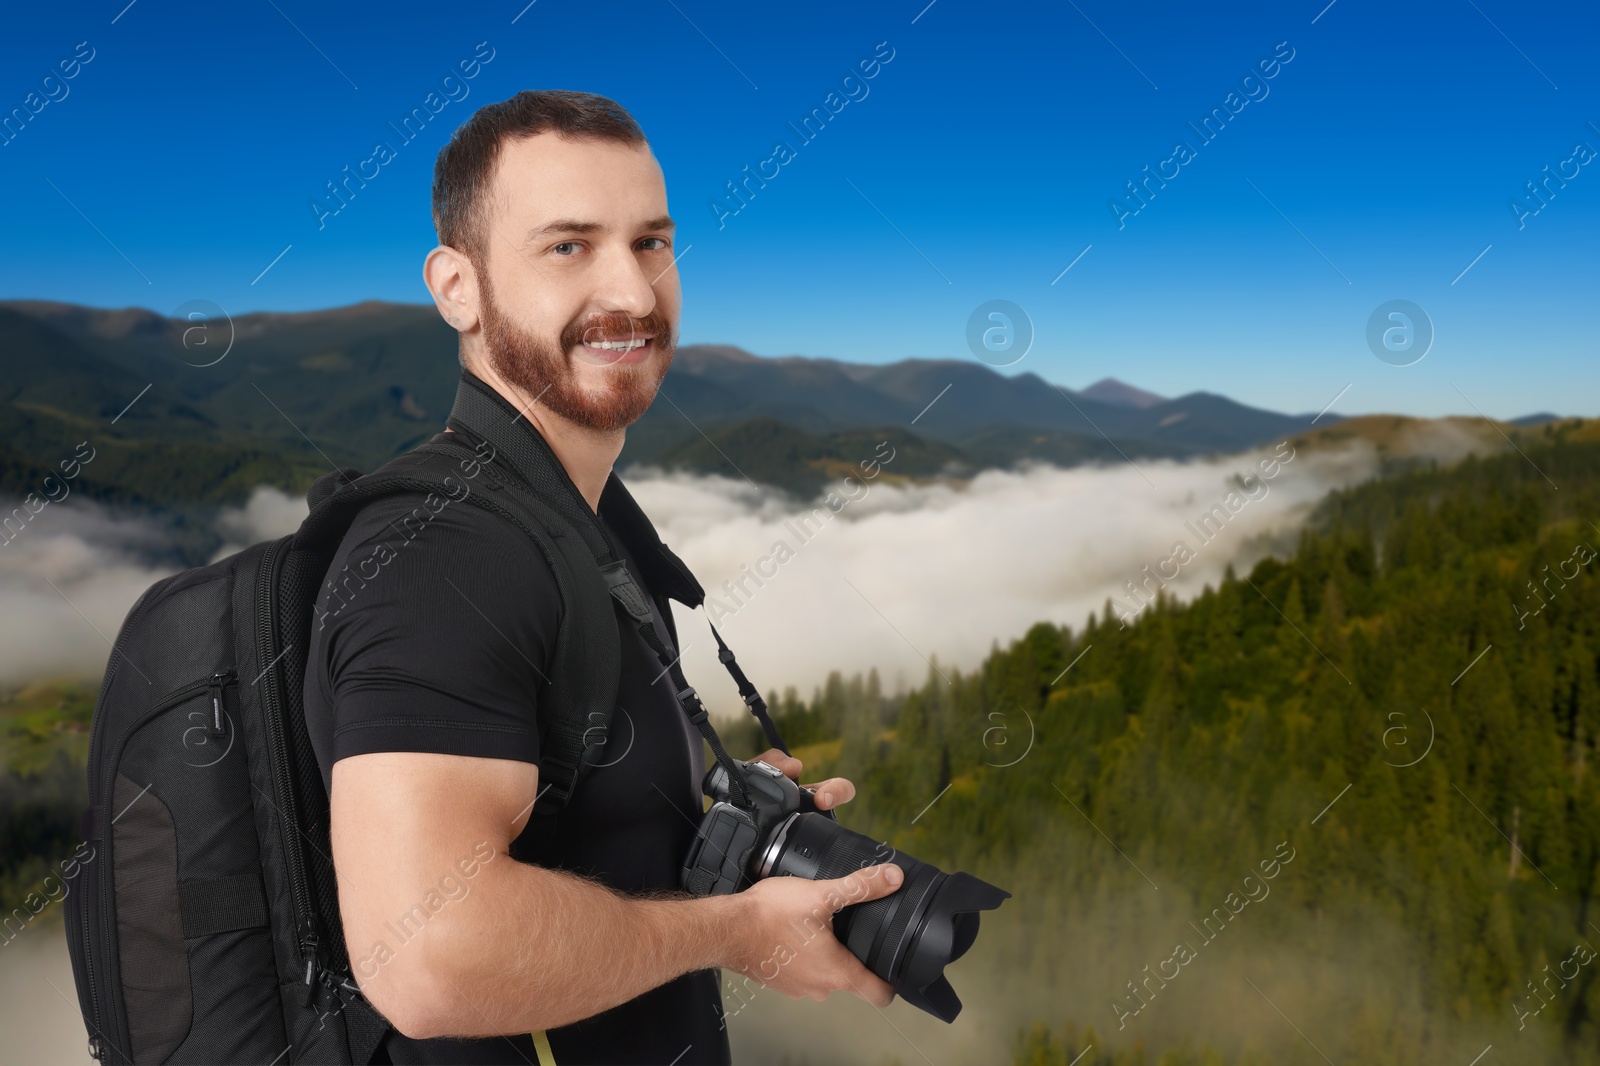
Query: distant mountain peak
[1121, 394]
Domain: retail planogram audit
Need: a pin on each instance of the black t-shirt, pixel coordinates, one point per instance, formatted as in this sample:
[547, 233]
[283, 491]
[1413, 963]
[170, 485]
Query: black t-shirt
[435, 633]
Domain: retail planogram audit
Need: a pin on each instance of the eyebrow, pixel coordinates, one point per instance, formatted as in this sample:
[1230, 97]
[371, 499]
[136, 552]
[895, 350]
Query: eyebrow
[574, 225]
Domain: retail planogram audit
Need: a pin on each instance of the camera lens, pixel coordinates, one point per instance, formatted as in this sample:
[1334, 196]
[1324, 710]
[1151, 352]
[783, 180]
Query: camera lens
[907, 937]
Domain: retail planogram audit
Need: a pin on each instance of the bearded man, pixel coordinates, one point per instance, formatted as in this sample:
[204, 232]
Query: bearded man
[566, 940]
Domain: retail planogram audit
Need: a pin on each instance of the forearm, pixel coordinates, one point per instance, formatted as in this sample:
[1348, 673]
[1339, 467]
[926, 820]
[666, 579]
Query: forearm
[532, 948]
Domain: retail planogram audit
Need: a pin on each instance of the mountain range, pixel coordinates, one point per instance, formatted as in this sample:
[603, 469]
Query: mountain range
[193, 411]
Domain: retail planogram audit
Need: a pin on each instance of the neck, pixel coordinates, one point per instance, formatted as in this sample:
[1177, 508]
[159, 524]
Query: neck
[586, 454]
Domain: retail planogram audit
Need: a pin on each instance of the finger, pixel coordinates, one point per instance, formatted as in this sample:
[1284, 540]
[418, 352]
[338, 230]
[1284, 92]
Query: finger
[832, 792]
[786, 763]
[879, 992]
[866, 984]
[867, 883]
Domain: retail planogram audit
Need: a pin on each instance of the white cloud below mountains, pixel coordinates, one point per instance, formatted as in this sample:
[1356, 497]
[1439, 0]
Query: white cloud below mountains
[898, 573]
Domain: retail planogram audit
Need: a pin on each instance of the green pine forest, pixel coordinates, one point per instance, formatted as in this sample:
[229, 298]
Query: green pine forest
[1408, 928]
[1392, 720]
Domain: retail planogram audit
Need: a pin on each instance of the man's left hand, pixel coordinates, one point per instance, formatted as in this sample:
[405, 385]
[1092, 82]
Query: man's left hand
[829, 793]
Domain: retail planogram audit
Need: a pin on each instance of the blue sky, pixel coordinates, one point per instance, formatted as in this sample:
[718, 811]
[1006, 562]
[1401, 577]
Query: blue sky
[1375, 164]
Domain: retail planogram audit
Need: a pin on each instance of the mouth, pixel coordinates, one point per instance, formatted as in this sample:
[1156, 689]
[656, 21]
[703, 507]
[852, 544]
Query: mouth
[620, 352]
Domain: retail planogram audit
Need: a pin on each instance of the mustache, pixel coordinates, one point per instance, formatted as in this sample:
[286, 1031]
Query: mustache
[618, 326]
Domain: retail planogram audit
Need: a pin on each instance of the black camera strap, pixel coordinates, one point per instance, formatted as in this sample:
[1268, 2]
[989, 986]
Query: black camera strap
[747, 692]
[632, 599]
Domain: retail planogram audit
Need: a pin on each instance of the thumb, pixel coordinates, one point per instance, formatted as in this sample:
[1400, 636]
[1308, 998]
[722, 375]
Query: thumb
[867, 883]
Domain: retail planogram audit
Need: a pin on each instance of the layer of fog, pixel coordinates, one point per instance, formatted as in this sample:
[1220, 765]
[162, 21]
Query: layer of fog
[268, 513]
[898, 576]
[69, 576]
[908, 578]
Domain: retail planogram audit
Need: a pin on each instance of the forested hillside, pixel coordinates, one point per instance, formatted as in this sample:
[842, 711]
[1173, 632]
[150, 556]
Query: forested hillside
[1408, 707]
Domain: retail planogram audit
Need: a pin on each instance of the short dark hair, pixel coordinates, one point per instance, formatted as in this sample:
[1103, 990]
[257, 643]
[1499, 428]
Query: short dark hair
[465, 167]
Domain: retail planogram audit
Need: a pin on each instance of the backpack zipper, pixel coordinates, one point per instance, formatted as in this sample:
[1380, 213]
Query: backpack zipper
[288, 810]
[213, 683]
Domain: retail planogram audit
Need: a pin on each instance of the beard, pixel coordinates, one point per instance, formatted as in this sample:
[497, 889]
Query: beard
[546, 373]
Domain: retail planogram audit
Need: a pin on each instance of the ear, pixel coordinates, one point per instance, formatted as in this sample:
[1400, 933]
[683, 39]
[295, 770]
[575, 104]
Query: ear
[453, 281]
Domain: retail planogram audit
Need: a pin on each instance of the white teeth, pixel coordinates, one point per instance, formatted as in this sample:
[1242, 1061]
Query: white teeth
[620, 346]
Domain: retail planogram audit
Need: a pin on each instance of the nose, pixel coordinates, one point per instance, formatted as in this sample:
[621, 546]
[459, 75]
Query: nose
[622, 286]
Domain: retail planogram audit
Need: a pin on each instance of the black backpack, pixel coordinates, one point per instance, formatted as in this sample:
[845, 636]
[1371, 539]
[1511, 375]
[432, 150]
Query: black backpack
[205, 927]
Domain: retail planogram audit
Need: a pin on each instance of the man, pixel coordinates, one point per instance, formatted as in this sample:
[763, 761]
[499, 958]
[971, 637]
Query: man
[556, 940]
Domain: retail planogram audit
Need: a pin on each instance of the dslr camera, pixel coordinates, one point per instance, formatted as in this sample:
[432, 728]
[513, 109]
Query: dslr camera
[768, 826]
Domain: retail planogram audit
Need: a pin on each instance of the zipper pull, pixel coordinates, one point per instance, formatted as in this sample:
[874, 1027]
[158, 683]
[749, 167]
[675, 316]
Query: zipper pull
[217, 681]
[308, 951]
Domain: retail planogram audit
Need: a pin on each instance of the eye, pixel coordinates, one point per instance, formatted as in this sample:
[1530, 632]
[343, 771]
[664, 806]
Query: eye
[565, 244]
[661, 243]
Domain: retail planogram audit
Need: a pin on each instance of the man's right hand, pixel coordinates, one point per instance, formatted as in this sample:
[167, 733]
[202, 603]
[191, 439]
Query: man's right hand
[786, 938]
[519, 947]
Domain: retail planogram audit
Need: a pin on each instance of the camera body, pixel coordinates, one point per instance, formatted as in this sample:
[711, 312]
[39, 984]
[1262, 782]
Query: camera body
[768, 826]
[736, 846]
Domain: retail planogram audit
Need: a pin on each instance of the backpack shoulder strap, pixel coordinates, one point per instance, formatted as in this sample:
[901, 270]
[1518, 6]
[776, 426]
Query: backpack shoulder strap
[578, 704]
[481, 410]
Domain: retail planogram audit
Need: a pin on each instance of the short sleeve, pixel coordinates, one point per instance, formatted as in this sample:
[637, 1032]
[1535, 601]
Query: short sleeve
[435, 630]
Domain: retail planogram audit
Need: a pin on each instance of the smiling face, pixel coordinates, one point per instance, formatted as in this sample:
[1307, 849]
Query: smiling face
[579, 295]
